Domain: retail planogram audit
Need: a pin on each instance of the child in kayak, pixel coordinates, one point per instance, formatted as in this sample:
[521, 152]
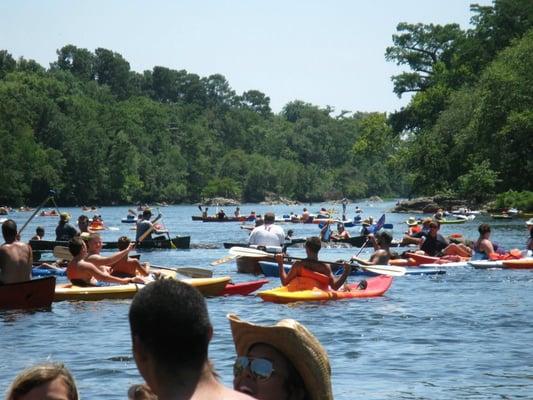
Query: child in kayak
[312, 264]
[381, 243]
[127, 266]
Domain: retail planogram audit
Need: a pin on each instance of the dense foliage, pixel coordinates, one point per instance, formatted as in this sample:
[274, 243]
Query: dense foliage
[99, 132]
[469, 126]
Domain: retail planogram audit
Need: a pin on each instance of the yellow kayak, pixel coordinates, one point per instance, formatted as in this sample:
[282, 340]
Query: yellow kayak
[67, 291]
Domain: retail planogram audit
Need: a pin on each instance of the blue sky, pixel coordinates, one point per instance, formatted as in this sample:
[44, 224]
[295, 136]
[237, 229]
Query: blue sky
[321, 52]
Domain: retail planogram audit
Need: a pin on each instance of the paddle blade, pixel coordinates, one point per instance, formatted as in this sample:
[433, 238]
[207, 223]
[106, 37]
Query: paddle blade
[223, 260]
[390, 270]
[248, 252]
[63, 253]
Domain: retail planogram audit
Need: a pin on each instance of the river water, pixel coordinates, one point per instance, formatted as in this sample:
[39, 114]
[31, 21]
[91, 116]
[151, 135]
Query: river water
[467, 334]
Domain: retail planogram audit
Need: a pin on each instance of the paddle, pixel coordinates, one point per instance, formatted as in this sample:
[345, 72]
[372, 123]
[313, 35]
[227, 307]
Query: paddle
[192, 272]
[378, 269]
[223, 260]
[50, 195]
[172, 245]
[152, 228]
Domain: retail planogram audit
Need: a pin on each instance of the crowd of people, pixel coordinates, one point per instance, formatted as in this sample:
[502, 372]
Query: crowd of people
[282, 361]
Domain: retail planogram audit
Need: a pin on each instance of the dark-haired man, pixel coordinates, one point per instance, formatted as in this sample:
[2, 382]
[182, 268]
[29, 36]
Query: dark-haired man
[144, 225]
[434, 243]
[171, 331]
[312, 264]
[15, 257]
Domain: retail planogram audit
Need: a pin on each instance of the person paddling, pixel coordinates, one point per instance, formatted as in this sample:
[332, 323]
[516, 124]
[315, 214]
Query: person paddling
[382, 254]
[312, 264]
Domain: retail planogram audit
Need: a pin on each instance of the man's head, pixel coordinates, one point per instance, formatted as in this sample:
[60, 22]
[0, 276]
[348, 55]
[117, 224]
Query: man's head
[313, 244]
[64, 217]
[123, 242]
[269, 218]
[434, 227]
[39, 231]
[483, 229]
[76, 245]
[147, 214]
[170, 325]
[9, 230]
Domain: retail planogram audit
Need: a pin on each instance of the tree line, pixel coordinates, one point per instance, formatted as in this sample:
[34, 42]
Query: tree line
[100, 133]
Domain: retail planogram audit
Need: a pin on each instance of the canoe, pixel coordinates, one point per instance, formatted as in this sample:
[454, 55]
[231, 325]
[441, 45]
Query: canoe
[129, 220]
[287, 294]
[181, 242]
[243, 288]
[37, 293]
[445, 265]
[67, 291]
[452, 221]
[216, 219]
[523, 263]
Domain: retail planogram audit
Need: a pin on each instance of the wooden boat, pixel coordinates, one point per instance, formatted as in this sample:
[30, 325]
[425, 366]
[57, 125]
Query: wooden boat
[37, 293]
[181, 242]
[216, 219]
[67, 291]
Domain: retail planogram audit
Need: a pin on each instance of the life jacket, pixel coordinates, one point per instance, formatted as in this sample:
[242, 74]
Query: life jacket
[307, 280]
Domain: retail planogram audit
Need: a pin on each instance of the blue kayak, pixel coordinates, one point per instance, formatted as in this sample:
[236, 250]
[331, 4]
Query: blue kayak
[271, 269]
[47, 272]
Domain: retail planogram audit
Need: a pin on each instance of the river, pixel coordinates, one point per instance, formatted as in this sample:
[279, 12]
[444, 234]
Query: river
[466, 334]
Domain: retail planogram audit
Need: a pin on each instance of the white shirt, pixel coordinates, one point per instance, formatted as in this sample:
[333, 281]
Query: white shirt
[267, 235]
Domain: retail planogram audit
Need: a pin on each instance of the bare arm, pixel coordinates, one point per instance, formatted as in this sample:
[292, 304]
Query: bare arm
[99, 260]
[487, 246]
[338, 282]
[283, 276]
[104, 276]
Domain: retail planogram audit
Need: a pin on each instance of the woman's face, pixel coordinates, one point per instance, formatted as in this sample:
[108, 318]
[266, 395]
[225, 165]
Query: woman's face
[95, 244]
[53, 390]
[272, 388]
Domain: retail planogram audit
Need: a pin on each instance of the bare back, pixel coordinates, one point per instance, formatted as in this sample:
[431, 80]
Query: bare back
[15, 262]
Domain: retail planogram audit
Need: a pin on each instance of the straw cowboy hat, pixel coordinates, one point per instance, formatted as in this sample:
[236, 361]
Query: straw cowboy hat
[411, 221]
[529, 222]
[295, 342]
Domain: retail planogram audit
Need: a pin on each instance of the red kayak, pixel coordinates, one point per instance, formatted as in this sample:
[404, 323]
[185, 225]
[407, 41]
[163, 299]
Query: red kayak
[422, 258]
[37, 293]
[243, 288]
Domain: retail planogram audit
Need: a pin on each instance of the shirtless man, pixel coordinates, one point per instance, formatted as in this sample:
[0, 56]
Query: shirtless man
[382, 254]
[84, 273]
[94, 247]
[15, 257]
[311, 263]
[127, 266]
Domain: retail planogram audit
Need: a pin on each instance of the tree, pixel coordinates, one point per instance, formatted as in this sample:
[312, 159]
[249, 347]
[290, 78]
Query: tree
[80, 62]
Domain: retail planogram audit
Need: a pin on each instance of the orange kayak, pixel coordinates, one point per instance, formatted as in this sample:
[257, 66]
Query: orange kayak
[524, 263]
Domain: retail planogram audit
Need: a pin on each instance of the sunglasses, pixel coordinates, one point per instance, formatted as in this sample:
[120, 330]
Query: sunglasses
[259, 367]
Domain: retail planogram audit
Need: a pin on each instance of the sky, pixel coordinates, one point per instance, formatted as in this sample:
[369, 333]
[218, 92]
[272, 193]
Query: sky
[327, 53]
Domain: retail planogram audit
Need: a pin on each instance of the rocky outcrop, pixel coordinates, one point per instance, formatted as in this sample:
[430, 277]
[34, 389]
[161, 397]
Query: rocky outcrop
[375, 199]
[220, 201]
[429, 205]
[274, 199]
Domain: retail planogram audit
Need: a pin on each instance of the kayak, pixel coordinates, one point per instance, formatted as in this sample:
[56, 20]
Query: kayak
[37, 293]
[216, 219]
[287, 243]
[485, 264]
[293, 291]
[48, 272]
[524, 263]
[243, 288]
[447, 265]
[501, 216]
[67, 291]
[129, 220]
[419, 259]
[181, 242]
